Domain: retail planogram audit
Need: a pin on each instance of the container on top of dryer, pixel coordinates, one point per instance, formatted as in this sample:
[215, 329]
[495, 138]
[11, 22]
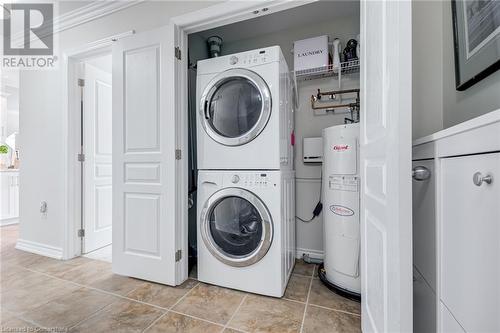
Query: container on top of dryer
[341, 215]
[245, 111]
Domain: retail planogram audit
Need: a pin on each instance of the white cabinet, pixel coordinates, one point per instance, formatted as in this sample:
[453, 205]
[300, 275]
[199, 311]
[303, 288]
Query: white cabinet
[470, 241]
[459, 259]
[9, 197]
[424, 305]
[424, 222]
[424, 247]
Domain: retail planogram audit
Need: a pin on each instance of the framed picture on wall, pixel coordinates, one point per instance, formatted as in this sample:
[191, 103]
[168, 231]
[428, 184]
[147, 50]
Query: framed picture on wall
[476, 27]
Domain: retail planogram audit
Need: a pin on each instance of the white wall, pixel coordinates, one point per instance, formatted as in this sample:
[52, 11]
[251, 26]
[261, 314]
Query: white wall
[41, 120]
[307, 122]
[427, 71]
[436, 102]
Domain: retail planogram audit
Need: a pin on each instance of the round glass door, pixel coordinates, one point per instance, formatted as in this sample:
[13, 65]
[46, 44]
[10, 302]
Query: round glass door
[236, 227]
[235, 107]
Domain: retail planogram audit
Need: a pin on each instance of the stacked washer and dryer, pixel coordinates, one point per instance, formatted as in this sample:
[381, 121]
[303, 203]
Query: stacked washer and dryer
[246, 179]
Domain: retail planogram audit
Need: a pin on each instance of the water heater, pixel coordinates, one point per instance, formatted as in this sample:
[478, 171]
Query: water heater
[341, 225]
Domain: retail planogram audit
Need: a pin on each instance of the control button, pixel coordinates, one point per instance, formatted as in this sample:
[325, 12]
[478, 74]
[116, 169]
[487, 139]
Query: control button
[233, 60]
[235, 179]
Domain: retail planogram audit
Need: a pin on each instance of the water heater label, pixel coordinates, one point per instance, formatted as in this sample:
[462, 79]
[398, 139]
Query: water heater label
[341, 210]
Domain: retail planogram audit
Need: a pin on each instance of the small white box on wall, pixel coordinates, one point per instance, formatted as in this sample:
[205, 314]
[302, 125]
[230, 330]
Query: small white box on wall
[310, 54]
[312, 150]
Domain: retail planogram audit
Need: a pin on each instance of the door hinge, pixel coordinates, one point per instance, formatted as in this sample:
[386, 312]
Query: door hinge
[81, 82]
[178, 154]
[81, 157]
[81, 232]
[178, 255]
[178, 53]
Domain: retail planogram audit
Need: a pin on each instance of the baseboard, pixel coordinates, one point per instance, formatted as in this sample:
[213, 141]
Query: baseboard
[38, 248]
[13, 220]
[299, 253]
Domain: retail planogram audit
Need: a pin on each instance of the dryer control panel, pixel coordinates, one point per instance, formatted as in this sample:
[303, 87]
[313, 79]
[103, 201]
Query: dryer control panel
[250, 180]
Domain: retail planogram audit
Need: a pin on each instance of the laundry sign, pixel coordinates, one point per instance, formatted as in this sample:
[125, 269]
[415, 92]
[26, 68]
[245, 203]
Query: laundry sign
[310, 54]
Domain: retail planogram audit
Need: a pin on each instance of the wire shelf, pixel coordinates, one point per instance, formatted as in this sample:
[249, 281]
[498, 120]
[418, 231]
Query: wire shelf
[349, 67]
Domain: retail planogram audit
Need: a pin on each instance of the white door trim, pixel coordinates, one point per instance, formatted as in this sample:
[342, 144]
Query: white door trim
[72, 245]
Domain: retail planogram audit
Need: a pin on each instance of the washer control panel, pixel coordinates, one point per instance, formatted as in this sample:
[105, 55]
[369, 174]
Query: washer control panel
[250, 180]
[251, 58]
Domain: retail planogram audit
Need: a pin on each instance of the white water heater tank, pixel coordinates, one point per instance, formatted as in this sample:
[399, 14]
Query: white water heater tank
[341, 225]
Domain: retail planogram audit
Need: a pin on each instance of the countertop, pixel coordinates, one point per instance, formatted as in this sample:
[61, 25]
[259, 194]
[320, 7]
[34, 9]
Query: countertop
[486, 119]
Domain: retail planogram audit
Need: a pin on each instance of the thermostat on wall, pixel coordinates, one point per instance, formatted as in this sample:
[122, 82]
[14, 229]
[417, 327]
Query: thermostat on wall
[312, 150]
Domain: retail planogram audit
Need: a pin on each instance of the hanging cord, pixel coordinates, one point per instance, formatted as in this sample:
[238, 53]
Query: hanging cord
[319, 206]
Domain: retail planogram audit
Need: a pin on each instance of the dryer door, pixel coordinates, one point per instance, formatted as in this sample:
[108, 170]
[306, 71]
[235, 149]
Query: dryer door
[235, 107]
[236, 227]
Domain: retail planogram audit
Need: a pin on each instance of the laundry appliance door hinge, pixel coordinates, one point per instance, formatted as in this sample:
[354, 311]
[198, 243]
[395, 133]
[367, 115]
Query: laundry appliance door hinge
[81, 157]
[178, 255]
[81, 232]
[81, 82]
[178, 154]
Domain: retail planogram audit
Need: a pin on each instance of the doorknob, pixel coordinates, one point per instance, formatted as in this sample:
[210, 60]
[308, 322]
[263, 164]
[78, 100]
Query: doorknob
[478, 179]
[420, 173]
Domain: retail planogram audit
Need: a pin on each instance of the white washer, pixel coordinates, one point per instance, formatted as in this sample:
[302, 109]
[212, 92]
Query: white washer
[246, 229]
[245, 111]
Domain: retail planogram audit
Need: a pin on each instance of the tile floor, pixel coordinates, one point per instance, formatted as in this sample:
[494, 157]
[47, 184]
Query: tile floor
[103, 254]
[83, 295]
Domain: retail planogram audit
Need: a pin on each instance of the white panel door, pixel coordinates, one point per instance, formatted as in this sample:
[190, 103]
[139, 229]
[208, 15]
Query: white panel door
[97, 127]
[470, 241]
[144, 139]
[385, 143]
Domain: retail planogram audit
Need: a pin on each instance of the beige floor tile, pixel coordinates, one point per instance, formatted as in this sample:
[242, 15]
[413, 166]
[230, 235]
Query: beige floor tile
[298, 287]
[303, 268]
[87, 273]
[10, 323]
[120, 317]
[266, 314]
[161, 295]
[177, 323]
[211, 303]
[69, 309]
[18, 300]
[321, 295]
[23, 280]
[116, 284]
[320, 320]
[57, 267]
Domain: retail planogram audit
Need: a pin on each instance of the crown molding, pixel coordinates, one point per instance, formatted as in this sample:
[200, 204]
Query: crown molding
[90, 12]
[82, 15]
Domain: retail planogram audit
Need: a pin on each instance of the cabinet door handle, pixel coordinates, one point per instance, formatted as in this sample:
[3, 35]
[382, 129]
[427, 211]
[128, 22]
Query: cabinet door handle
[420, 173]
[478, 179]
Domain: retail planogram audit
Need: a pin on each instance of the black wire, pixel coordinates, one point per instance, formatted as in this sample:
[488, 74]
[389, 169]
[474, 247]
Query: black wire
[319, 201]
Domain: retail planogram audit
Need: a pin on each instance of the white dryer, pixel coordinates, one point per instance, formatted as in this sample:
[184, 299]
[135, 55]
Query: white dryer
[246, 229]
[245, 111]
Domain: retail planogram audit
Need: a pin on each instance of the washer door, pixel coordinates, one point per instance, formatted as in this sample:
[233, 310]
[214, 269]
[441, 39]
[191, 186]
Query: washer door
[235, 107]
[236, 227]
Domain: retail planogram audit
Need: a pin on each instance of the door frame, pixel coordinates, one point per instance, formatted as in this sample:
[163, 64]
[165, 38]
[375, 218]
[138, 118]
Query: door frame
[71, 59]
[204, 19]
